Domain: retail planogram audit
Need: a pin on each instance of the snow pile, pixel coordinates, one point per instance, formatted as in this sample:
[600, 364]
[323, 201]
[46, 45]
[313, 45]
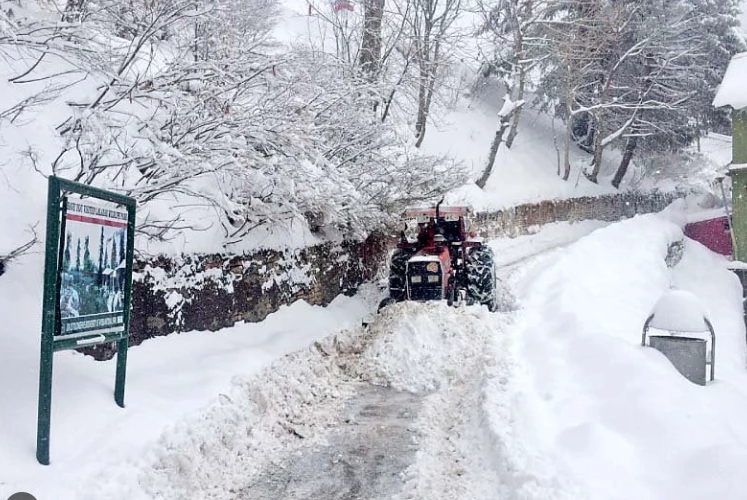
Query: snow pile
[614, 417]
[420, 347]
[508, 414]
[444, 352]
[295, 405]
[679, 311]
[244, 432]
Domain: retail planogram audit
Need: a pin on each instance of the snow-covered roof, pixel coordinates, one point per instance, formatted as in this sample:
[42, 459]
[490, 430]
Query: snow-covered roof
[705, 215]
[733, 89]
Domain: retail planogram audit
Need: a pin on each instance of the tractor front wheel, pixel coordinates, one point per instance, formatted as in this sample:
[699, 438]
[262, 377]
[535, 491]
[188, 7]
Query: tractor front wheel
[480, 269]
[398, 274]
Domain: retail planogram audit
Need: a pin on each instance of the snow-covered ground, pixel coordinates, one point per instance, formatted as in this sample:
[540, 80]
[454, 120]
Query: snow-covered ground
[610, 415]
[167, 378]
[509, 251]
[554, 399]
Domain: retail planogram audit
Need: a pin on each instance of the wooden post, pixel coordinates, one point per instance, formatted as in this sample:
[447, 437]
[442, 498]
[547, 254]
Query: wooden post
[739, 183]
[739, 137]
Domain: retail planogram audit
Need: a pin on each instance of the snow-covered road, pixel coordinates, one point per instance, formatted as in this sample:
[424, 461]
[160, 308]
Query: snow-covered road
[395, 410]
[392, 410]
[363, 457]
[551, 398]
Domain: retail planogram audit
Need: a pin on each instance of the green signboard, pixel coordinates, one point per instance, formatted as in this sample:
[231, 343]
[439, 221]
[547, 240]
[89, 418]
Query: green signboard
[87, 283]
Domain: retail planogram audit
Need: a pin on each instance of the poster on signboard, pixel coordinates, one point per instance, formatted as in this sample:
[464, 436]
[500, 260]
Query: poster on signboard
[93, 272]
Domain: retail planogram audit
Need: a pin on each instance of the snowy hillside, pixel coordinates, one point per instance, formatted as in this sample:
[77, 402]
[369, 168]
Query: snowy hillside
[525, 173]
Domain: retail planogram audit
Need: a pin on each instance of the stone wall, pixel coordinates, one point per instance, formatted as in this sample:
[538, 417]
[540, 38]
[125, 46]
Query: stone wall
[210, 292]
[522, 219]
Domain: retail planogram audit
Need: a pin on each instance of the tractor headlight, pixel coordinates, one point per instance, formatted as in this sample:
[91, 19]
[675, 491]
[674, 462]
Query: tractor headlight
[434, 278]
[416, 279]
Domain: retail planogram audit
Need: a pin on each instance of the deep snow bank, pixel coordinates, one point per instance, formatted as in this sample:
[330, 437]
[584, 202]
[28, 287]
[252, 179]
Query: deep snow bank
[614, 416]
[167, 378]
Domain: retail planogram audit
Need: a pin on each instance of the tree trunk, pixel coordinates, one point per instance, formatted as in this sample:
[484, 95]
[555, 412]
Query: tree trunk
[387, 105]
[519, 93]
[566, 155]
[421, 131]
[420, 122]
[425, 96]
[388, 100]
[493, 151]
[514, 127]
[370, 57]
[625, 162]
[598, 150]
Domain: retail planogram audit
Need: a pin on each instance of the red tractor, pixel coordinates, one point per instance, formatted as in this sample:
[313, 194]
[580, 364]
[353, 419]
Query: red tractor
[444, 261]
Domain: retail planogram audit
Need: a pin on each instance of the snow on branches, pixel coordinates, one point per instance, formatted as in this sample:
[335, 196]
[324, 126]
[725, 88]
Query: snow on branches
[184, 103]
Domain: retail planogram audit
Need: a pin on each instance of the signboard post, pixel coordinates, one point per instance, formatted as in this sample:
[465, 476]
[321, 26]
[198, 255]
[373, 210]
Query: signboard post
[87, 283]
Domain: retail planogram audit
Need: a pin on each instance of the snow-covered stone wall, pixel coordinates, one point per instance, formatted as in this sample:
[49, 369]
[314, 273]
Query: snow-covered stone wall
[210, 292]
[527, 218]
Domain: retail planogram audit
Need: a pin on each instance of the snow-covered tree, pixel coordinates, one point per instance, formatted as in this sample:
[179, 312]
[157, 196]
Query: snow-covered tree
[631, 71]
[517, 46]
[577, 33]
[196, 102]
[428, 38]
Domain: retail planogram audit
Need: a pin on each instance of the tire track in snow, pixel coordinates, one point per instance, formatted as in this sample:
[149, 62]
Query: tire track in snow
[363, 457]
[417, 433]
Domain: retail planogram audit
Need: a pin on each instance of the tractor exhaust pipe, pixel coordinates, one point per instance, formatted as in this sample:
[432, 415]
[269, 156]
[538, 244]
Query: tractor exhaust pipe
[438, 206]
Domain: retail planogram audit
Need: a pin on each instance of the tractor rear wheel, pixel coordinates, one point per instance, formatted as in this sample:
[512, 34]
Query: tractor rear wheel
[398, 273]
[480, 269]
